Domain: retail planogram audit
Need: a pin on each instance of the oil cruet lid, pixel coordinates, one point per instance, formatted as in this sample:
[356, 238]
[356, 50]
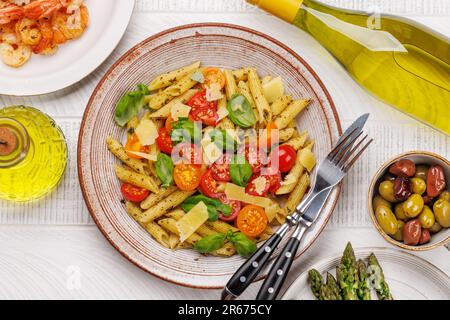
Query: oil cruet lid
[14, 142]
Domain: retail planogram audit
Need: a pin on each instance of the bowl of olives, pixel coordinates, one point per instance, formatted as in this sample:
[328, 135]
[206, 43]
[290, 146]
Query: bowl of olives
[409, 200]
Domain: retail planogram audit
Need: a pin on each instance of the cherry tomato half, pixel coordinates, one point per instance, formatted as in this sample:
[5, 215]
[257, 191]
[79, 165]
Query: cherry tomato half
[214, 75]
[252, 220]
[220, 169]
[255, 157]
[286, 157]
[187, 153]
[164, 142]
[208, 186]
[253, 189]
[235, 205]
[187, 176]
[203, 110]
[133, 144]
[274, 180]
[133, 193]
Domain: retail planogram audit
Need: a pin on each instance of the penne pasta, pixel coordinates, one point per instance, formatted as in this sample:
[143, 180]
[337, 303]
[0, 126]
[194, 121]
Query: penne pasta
[289, 114]
[280, 104]
[133, 210]
[230, 84]
[291, 179]
[221, 226]
[244, 89]
[154, 198]
[164, 112]
[226, 251]
[169, 78]
[175, 90]
[174, 241]
[264, 111]
[118, 150]
[140, 180]
[158, 233]
[131, 125]
[224, 123]
[297, 194]
[298, 142]
[285, 134]
[240, 74]
[170, 202]
[170, 225]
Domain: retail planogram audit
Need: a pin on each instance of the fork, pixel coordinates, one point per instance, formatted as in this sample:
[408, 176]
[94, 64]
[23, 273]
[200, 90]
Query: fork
[330, 172]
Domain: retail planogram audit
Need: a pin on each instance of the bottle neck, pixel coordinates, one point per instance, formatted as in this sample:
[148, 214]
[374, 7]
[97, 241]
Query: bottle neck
[14, 142]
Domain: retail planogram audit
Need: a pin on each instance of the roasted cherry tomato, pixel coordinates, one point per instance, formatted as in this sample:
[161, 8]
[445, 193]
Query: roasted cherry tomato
[220, 169]
[134, 193]
[164, 142]
[255, 157]
[274, 180]
[133, 144]
[258, 186]
[187, 153]
[208, 186]
[235, 205]
[286, 157]
[169, 123]
[207, 116]
[186, 176]
[252, 220]
[214, 75]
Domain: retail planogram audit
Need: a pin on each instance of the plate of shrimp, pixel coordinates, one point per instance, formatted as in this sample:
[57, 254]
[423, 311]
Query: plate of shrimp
[48, 45]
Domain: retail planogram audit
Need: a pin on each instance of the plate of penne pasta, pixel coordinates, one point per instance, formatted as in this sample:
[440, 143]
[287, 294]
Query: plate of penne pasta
[196, 146]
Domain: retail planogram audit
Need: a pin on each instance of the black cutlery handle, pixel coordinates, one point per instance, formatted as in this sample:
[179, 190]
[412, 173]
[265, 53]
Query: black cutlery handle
[248, 271]
[277, 274]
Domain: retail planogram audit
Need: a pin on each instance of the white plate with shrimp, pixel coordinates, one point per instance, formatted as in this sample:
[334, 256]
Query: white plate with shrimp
[73, 60]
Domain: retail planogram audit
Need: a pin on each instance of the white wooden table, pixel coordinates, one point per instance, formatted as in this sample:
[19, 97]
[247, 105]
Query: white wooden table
[53, 250]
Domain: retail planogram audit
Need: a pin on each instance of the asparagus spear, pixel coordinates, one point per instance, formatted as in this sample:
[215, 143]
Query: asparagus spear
[363, 289]
[381, 286]
[316, 282]
[334, 287]
[347, 274]
[327, 293]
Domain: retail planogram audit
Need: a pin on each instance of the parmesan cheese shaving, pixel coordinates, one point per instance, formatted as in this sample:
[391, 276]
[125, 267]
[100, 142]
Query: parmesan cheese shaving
[234, 192]
[180, 110]
[192, 220]
[213, 92]
[147, 132]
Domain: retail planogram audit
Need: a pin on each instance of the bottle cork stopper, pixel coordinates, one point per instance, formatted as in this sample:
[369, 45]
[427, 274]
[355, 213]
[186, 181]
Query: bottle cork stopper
[8, 141]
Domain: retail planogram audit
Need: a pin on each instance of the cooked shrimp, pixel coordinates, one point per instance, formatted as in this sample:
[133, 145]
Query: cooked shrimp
[46, 46]
[15, 55]
[10, 13]
[40, 9]
[71, 26]
[28, 31]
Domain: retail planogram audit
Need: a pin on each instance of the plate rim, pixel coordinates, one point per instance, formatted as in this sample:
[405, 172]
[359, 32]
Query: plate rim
[330, 258]
[124, 57]
[131, 4]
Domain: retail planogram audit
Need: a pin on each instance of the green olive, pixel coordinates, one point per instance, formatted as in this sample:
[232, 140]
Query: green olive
[418, 185]
[386, 190]
[399, 212]
[378, 201]
[426, 217]
[441, 210]
[422, 172]
[436, 228]
[386, 219]
[413, 206]
[445, 195]
[399, 234]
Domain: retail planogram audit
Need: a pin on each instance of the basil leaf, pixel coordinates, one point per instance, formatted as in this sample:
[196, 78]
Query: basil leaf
[185, 130]
[210, 243]
[213, 205]
[240, 111]
[130, 104]
[240, 170]
[164, 169]
[244, 246]
[223, 140]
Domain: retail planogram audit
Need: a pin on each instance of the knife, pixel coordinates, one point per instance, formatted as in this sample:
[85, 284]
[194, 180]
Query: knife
[245, 275]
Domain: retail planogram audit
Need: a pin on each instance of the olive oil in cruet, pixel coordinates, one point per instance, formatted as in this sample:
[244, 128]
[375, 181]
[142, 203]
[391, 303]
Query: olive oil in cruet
[398, 60]
[33, 154]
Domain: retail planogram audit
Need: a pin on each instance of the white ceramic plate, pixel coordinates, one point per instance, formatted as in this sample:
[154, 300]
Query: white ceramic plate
[74, 60]
[408, 276]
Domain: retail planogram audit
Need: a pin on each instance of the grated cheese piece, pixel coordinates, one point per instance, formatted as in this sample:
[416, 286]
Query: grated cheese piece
[214, 92]
[179, 110]
[147, 132]
[192, 220]
[273, 89]
[234, 192]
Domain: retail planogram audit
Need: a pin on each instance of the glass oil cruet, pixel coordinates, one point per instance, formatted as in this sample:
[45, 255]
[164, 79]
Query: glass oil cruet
[33, 154]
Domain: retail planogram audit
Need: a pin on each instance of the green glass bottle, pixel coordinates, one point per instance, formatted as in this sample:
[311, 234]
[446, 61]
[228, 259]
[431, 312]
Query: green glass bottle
[398, 60]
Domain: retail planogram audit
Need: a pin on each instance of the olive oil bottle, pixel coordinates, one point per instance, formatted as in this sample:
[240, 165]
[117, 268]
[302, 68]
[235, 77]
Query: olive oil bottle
[33, 154]
[398, 60]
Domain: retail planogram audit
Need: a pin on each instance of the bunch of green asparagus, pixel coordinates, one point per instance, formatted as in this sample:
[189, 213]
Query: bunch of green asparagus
[354, 280]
